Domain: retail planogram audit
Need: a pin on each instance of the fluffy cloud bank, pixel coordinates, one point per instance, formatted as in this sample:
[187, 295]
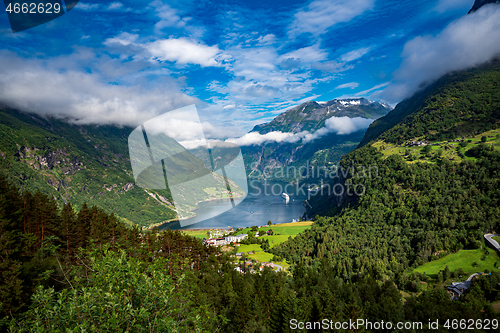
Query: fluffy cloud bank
[469, 41]
[255, 138]
[346, 125]
[60, 89]
[181, 51]
[337, 125]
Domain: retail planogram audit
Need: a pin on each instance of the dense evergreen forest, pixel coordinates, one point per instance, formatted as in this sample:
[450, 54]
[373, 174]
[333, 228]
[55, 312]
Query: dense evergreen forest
[413, 211]
[410, 213]
[457, 104]
[65, 271]
[68, 270]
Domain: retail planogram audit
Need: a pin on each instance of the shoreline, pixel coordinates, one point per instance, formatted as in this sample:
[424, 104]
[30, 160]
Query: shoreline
[152, 226]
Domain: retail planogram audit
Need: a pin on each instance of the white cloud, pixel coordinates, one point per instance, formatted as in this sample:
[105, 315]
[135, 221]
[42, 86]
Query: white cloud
[123, 39]
[309, 54]
[87, 7]
[370, 93]
[468, 41]
[183, 51]
[262, 77]
[374, 88]
[258, 78]
[255, 138]
[95, 6]
[115, 5]
[56, 87]
[346, 125]
[337, 125]
[331, 66]
[320, 15]
[306, 99]
[169, 17]
[351, 85]
[266, 40]
[355, 54]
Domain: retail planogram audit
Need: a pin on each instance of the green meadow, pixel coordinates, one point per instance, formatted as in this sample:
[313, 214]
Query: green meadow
[446, 150]
[285, 230]
[196, 233]
[471, 261]
[288, 229]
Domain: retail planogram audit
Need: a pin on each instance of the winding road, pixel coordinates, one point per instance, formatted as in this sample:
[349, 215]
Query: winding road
[473, 275]
[492, 242]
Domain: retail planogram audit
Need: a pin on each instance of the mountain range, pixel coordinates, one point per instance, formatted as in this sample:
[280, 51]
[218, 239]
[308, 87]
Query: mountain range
[85, 163]
[443, 123]
[334, 119]
[311, 116]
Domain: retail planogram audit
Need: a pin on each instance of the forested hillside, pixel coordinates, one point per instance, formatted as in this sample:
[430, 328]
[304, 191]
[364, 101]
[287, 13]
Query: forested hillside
[77, 164]
[82, 163]
[123, 279]
[425, 198]
[456, 105]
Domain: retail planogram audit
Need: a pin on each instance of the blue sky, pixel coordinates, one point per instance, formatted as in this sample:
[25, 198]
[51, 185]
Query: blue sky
[240, 62]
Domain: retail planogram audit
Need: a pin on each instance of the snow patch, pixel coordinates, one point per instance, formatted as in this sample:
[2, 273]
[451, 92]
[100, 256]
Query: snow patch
[351, 102]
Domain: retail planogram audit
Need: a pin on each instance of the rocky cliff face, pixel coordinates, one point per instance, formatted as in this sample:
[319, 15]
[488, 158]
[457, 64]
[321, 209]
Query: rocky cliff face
[47, 159]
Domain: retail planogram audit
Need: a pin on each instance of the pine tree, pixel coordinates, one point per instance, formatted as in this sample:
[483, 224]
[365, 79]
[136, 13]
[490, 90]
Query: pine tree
[69, 229]
[83, 226]
[10, 249]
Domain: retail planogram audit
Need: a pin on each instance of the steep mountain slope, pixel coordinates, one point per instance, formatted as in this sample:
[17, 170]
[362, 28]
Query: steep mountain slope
[311, 116]
[80, 164]
[455, 105]
[410, 197]
[445, 122]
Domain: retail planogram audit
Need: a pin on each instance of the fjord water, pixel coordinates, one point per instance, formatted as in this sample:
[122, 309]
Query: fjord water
[262, 204]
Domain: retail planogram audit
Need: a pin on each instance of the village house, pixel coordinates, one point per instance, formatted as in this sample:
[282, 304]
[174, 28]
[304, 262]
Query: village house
[225, 240]
[457, 289]
[236, 239]
[415, 143]
[266, 264]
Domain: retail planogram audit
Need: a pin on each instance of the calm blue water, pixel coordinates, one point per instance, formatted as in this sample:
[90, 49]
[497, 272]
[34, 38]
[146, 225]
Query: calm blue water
[262, 204]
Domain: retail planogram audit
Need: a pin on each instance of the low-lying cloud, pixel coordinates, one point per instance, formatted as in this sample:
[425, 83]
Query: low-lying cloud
[58, 88]
[255, 138]
[337, 125]
[466, 42]
[346, 125]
